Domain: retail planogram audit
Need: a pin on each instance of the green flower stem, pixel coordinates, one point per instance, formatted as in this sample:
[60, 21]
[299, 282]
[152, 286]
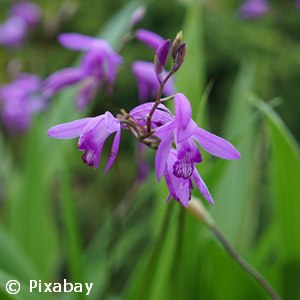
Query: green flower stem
[201, 213]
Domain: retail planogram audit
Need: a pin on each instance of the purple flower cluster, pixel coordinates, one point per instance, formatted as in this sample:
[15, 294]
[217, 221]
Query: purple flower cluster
[22, 17]
[98, 67]
[175, 136]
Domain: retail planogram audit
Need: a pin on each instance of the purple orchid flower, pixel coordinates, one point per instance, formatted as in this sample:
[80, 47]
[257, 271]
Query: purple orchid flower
[181, 188]
[20, 100]
[99, 65]
[14, 30]
[147, 82]
[185, 132]
[297, 3]
[254, 8]
[149, 38]
[92, 133]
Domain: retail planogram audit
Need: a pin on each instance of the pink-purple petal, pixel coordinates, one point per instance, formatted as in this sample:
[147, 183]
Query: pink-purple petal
[215, 145]
[69, 130]
[202, 187]
[76, 41]
[114, 150]
[61, 79]
[162, 155]
[149, 38]
[183, 110]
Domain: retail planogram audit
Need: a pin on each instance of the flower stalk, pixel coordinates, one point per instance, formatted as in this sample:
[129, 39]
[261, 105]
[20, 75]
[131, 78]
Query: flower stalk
[197, 209]
[157, 102]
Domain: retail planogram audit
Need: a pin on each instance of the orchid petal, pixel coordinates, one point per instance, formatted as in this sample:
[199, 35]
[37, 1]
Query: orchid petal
[77, 41]
[183, 110]
[184, 134]
[62, 79]
[215, 145]
[149, 38]
[183, 191]
[162, 154]
[202, 186]
[69, 130]
[114, 150]
[166, 129]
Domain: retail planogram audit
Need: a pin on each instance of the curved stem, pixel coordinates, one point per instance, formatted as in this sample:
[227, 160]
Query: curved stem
[246, 266]
[157, 101]
[201, 213]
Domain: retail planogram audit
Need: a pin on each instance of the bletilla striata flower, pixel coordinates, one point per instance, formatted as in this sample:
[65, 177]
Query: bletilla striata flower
[22, 17]
[184, 132]
[99, 66]
[19, 101]
[147, 82]
[92, 133]
[254, 8]
[181, 188]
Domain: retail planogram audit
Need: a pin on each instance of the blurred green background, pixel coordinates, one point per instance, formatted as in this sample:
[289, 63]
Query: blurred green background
[61, 219]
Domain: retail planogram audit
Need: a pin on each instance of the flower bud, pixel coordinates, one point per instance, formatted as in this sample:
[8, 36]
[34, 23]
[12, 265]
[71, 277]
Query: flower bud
[161, 59]
[176, 44]
[178, 61]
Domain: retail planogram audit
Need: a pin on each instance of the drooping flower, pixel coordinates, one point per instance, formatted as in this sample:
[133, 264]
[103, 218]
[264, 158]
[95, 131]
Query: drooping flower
[19, 101]
[184, 132]
[254, 8]
[92, 133]
[98, 67]
[181, 188]
[151, 39]
[147, 82]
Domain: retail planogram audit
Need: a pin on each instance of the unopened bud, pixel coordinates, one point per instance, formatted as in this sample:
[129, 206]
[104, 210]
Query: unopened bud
[160, 59]
[176, 44]
[178, 61]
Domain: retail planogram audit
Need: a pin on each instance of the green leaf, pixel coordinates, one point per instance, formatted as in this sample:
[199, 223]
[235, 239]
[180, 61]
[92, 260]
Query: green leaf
[285, 174]
[13, 260]
[232, 193]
